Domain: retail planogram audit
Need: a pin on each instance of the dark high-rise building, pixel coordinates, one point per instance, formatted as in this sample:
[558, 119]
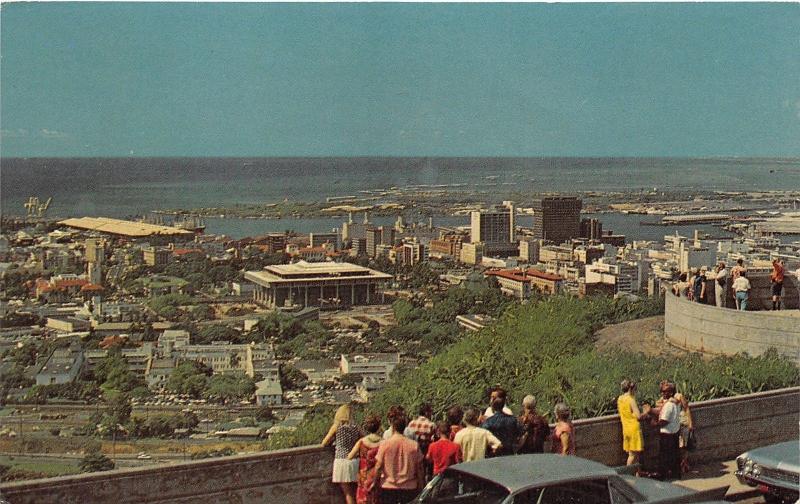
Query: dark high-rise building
[557, 219]
[591, 229]
[373, 236]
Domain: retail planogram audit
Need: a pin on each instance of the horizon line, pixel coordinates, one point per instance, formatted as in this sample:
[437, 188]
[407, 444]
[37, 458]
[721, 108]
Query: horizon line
[369, 156]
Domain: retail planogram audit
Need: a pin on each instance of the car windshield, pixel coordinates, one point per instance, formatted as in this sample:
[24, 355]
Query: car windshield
[457, 487]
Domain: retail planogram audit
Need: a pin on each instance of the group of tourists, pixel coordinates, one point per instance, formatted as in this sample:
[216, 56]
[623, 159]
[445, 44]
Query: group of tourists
[673, 418]
[393, 467]
[694, 285]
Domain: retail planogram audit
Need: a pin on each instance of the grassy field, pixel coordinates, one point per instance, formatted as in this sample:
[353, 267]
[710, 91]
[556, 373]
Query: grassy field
[25, 468]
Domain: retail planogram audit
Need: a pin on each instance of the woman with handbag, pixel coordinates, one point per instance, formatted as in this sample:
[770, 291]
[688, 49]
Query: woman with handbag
[686, 432]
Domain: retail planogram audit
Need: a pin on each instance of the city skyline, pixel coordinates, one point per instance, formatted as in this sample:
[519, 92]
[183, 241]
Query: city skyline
[674, 80]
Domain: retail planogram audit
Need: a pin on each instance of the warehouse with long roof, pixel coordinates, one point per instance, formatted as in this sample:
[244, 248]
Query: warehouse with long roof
[128, 229]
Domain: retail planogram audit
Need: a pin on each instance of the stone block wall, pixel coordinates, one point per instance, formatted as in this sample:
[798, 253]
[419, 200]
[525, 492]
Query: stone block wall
[296, 476]
[725, 331]
[725, 428]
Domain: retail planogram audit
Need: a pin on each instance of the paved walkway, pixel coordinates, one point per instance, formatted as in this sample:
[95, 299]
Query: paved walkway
[714, 475]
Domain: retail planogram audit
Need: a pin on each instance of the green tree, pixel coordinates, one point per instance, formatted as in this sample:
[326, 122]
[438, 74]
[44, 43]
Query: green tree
[264, 414]
[25, 355]
[229, 388]
[292, 378]
[201, 312]
[118, 412]
[95, 461]
[114, 376]
[189, 378]
[218, 332]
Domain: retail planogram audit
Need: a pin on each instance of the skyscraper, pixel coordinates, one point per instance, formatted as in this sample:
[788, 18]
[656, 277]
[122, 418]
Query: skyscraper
[95, 256]
[557, 219]
[492, 226]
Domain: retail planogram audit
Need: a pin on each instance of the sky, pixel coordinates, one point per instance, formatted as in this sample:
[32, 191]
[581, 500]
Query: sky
[378, 79]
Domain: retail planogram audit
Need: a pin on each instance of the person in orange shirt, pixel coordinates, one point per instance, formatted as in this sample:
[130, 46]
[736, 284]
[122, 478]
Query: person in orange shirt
[777, 283]
[398, 463]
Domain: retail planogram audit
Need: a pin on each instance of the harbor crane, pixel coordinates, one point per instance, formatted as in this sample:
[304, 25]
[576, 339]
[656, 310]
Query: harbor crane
[35, 208]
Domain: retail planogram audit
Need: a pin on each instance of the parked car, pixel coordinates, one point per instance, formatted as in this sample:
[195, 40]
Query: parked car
[552, 479]
[773, 469]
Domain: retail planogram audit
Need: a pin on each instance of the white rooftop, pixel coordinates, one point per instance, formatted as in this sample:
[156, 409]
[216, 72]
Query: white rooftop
[303, 270]
[122, 227]
[304, 267]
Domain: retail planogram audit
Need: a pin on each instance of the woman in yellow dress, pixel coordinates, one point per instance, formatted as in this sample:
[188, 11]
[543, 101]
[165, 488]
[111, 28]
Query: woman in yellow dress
[629, 415]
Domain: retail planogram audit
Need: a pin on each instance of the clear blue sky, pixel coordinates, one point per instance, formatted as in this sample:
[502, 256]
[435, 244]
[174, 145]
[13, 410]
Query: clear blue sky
[101, 79]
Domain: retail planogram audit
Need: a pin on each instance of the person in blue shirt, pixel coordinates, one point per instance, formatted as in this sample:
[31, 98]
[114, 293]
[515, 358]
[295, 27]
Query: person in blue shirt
[700, 287]
[504, 426]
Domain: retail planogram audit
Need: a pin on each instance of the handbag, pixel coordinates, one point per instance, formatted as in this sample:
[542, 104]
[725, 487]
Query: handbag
[691, 441]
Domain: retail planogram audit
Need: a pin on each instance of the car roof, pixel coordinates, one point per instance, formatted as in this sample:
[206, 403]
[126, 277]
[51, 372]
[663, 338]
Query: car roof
[788, 450]
[517, 472]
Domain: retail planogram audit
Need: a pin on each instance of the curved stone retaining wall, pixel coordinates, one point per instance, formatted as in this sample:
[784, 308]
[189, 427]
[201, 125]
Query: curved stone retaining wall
[726, 331]
[724, 427]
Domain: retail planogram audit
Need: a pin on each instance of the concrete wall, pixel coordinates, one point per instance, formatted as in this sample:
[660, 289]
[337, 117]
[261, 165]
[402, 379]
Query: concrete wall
[295, 476]
[711, 330]
[724, 427]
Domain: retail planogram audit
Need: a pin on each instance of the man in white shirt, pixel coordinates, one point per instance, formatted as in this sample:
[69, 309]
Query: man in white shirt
[741, 288]
[669, 422]
[474, 440]
[489, 412]
[721, 285]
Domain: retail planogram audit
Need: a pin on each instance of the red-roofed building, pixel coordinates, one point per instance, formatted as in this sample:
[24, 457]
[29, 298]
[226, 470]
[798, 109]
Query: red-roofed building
[59, 290]
[520, 283]
[184, 251]
[311, 254]
[111, 341]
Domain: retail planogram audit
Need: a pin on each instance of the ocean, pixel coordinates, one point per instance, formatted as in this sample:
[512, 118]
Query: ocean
[122, 187]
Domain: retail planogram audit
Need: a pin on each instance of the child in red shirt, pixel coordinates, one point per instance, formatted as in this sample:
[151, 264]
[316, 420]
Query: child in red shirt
[443, 453]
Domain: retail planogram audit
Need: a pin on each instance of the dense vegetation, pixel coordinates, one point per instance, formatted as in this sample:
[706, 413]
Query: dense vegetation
[546, 349]
[423, 329]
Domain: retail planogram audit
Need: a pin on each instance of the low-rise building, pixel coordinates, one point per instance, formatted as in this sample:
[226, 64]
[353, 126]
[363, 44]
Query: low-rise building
[623, 276]
[308, 284]
[172, 339]
[319, 371]
[243, 288]
[156, 256]
[158, 372]
[412, 253]
[473, 322]
[521, 283]
[68, 324]
[61, 288]
[269, 393]
[62, 366]
[228, 358]
[319, 239]
[160, 285]
[558, 253]
[447, 246]
[370, 364]
[472, 253]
